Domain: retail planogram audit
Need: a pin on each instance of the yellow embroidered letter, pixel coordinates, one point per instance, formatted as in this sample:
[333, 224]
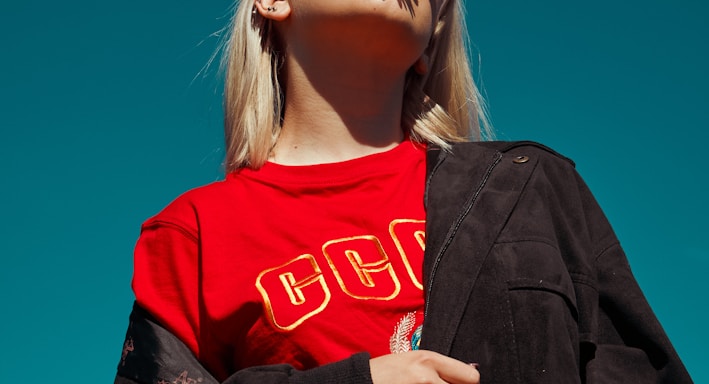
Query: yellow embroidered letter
[293, 292]
[409, 237]
[362, 268]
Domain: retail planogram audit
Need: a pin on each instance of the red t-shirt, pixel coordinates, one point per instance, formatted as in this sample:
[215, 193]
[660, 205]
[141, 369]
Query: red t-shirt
[303, 265]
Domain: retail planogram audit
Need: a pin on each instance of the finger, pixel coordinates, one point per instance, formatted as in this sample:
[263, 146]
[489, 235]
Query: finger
[456, 372]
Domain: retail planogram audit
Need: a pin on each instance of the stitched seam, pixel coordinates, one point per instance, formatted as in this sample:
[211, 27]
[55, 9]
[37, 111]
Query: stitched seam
[175, 226]
[578, 277]
[606, 249]
[541, 241]
[441, 158]
[531, 285]
[452, 231]
[581, 278]
[510, 323]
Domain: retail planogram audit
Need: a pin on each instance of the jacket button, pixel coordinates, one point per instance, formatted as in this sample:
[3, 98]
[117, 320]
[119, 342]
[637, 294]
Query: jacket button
[520, 159]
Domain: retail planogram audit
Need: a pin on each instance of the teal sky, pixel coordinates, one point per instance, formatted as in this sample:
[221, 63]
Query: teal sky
[106, 116]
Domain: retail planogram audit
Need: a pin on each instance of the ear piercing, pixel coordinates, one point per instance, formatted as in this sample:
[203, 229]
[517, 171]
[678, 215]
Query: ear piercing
[269, 9]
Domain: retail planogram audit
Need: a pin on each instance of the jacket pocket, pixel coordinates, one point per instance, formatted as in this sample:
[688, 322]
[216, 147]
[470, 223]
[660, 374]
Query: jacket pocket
[536, 266]
[542, 310]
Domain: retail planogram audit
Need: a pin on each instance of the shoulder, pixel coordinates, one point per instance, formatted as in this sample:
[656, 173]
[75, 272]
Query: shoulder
[506, 163]
[471, 155]
[185, 210]
[513, 148]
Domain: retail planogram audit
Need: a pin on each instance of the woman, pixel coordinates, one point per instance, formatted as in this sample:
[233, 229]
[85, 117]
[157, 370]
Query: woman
[345, 130]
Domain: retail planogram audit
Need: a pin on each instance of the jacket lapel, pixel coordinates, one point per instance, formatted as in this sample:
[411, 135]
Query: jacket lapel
[469, 196]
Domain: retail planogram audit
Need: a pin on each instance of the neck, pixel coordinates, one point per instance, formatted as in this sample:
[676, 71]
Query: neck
[338, 109]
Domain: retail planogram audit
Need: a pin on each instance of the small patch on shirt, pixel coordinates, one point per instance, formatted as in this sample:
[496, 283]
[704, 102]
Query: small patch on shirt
[405, 338]
[416, 338]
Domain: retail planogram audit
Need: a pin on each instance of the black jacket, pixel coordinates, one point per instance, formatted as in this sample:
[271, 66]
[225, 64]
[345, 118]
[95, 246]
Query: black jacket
[522, 274]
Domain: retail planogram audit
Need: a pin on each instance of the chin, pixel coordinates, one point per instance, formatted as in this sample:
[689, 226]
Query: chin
[416, 13]
[393, 28]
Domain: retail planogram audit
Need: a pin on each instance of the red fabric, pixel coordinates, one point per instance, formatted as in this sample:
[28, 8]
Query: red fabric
[302, 265]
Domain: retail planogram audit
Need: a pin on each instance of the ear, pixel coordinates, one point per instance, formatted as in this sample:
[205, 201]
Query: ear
[276, 10]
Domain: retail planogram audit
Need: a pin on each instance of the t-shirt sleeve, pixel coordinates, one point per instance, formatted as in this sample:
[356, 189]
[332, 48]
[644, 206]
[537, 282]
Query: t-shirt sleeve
[153, 354]
[166, 272]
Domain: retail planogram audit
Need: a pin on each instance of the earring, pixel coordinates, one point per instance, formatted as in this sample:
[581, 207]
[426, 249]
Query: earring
[271, 9]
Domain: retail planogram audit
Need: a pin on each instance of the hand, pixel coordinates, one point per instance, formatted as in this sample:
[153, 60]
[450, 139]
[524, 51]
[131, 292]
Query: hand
[421, 367]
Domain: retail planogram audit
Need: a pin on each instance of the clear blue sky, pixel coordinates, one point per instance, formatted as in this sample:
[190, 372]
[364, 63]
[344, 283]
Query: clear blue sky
[105, 118]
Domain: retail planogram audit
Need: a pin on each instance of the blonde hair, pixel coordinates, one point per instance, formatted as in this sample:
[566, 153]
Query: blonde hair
[441, 107]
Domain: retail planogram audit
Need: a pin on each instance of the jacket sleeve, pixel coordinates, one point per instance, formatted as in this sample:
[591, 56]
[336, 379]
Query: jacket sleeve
[631, 345]
[153, 355]
[624, 341]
